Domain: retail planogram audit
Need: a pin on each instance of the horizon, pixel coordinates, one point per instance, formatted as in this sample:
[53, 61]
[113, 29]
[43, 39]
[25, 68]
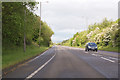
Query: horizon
[67, 20]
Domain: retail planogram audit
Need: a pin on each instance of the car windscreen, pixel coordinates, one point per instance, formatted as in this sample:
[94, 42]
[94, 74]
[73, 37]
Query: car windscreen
[92, 44]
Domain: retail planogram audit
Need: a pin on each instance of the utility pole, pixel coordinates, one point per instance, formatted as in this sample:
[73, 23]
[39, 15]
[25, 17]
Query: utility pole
[40, 19]
[25, 31]
[40, 22]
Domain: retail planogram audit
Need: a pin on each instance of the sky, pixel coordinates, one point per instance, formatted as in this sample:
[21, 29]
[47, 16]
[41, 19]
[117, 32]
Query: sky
[67, 17]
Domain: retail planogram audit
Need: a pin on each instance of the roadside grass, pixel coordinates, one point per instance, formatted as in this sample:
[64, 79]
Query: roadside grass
[113, 49]
[80, 46]
[74, 46]
[13, 56]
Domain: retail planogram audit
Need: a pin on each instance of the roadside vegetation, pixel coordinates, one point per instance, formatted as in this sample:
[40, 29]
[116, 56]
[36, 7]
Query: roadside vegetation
[17, 55]
[105, 34]
[19, 20]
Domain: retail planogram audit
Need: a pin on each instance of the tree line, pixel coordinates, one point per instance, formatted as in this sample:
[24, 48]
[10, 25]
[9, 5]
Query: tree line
[106, 33]
[19, 19]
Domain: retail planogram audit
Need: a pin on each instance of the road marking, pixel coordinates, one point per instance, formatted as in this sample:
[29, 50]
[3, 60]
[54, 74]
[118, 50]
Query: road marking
[94, 54]
[113, 58]
[32, 74]
[37, 57]
[86, 52]
[107, 59]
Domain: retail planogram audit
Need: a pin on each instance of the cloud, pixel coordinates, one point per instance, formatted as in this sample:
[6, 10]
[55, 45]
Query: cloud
[66, 17]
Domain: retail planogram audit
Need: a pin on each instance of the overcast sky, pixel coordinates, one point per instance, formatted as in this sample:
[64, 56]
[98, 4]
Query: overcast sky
[66, 17]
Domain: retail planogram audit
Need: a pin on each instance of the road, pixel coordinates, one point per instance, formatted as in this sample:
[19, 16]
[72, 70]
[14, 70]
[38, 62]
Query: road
[69, 62]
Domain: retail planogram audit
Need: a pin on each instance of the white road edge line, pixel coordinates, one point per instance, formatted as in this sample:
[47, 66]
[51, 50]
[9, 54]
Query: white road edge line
[37, 57]
[107, 59]
[32, 74]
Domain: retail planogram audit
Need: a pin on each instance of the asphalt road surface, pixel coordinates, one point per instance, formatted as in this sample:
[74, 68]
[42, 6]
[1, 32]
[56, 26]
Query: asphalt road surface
[68, 62]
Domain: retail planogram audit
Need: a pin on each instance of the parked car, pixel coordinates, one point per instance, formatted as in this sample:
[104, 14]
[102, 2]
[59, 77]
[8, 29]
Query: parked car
[91, 46]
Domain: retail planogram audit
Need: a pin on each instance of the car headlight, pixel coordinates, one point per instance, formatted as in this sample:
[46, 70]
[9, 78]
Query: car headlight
[89, 47]
[95, 47]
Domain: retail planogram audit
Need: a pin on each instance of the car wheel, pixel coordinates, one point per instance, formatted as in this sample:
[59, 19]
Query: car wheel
[96, 50]
[88, 49]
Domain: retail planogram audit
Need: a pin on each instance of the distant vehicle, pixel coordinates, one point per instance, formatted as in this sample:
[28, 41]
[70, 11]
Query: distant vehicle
[91, 46]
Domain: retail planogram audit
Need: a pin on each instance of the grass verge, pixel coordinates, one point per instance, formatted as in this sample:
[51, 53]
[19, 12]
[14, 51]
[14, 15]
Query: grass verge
[16, 55]
[113, 49]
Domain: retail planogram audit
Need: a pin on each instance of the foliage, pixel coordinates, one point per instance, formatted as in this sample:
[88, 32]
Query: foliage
[105, 34]
[18, 20]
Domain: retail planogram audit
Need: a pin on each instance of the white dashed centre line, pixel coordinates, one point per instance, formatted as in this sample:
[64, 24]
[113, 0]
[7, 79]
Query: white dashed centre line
[107, 59]
[86, 52]
[94, 55]
[113, 58]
